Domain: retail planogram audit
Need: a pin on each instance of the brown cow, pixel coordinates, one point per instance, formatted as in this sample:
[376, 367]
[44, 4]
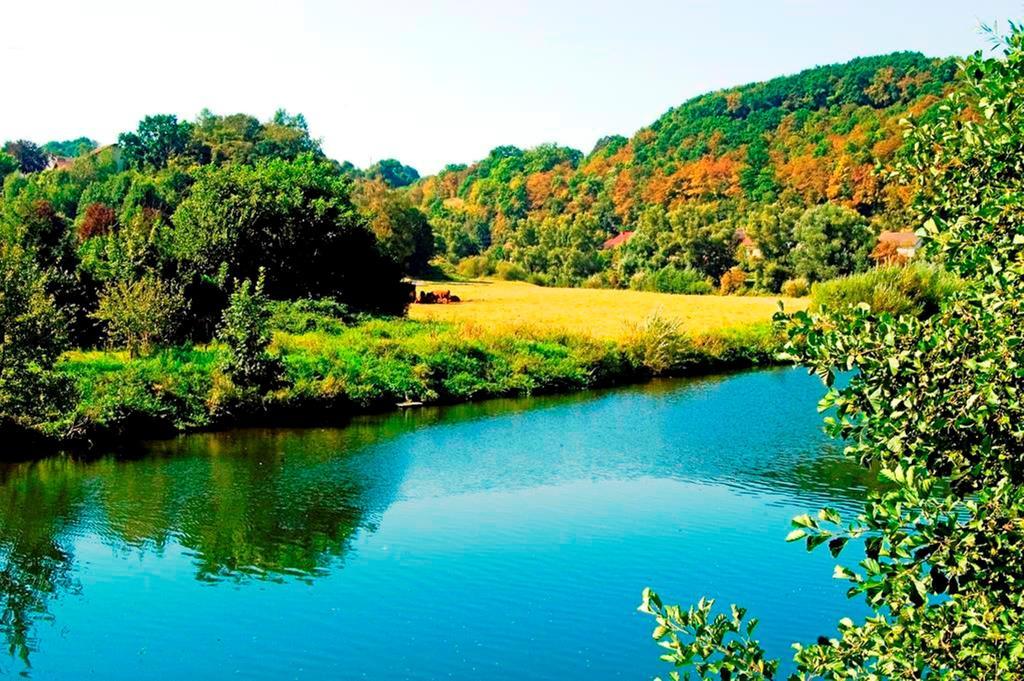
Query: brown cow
[437, 297]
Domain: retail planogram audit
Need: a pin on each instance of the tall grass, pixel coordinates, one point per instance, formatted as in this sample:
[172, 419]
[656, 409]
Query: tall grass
[376, 363]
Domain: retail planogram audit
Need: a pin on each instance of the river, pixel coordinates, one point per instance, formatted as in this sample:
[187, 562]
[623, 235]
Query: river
[508, 539]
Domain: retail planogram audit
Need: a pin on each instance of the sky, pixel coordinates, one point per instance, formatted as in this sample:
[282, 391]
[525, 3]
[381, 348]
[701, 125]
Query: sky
[432, 83]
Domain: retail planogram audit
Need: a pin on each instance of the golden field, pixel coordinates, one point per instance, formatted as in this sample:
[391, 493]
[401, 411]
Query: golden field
[601, 313]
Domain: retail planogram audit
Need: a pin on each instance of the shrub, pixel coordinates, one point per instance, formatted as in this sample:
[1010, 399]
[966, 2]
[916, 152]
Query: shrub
[795, 288]
[656, 344]
[733, 281]
[511, 271]
[245, 330]
[915, 289]
[603, 279]
[306, 315]
[140, 313]
[474, 267]
[671, 279]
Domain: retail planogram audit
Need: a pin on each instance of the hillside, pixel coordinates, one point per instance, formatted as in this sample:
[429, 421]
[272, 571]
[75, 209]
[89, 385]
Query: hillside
[792, 142]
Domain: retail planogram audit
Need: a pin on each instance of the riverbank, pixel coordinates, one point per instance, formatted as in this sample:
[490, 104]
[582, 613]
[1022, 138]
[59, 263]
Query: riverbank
[373, 365]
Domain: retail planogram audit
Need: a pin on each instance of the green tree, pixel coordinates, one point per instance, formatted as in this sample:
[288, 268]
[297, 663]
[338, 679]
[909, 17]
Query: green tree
[8, 164]
[245, 330]
[831, 241]
[70, 148]
[155, 142]
[394, 173]
[139, 314]
[935, 406]
[401, 228]
[294, 219]
[31, 339]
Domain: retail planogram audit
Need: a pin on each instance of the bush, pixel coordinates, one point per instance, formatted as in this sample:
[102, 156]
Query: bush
[733, 281]
[915, 289]
[306, 315]
[603, 279]
[656, 344]
[795, 288]
[245, 330]
[140, 313]
[511, 271]
[671, 279]
[474, 267]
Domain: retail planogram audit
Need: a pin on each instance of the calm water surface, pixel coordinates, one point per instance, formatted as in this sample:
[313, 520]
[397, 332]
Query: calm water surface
[503, 540]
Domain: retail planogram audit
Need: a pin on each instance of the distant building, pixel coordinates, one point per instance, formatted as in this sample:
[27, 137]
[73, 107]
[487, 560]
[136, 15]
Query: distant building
[895, 247]
[617, 240]
[58, 162]
[54, 162]
[748, 246]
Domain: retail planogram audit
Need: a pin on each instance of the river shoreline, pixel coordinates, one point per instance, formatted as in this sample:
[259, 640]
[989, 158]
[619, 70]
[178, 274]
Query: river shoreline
[182, 391]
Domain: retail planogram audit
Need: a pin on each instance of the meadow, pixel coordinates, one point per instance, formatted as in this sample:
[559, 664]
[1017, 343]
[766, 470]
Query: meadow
[608, 314]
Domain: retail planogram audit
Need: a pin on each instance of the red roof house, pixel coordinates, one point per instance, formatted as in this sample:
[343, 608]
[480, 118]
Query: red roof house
[895, 247]
[617, 240]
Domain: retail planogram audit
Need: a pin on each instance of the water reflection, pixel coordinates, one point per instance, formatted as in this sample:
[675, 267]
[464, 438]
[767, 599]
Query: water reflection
[39, 504]
[283, 505]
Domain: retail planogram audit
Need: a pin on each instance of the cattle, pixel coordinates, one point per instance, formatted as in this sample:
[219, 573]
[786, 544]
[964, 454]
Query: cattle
[437, 298]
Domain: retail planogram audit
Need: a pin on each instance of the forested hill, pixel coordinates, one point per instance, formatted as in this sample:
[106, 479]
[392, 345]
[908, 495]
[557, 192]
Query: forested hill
[768, 183]
[791, 142]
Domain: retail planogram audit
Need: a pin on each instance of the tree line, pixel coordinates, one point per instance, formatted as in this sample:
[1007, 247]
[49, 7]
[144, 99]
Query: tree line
[699, 183]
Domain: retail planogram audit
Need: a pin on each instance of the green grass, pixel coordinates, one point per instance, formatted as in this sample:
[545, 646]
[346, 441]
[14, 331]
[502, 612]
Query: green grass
[373, 365]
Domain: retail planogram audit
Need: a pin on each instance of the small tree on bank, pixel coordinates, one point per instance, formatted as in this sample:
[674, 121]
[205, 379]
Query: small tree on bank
[245, 330]
[31, 340]
[139, 314]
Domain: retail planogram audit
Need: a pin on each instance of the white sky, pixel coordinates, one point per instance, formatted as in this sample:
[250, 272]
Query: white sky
[434, 82]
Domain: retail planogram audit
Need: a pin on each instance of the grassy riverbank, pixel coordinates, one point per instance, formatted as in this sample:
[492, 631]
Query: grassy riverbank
[373, 365]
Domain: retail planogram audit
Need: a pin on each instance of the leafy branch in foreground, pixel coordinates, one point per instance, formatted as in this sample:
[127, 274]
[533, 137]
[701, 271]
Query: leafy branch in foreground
[935, 405]
[714, 646]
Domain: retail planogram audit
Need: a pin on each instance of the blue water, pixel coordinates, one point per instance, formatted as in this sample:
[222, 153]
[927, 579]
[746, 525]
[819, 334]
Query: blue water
[504, 540]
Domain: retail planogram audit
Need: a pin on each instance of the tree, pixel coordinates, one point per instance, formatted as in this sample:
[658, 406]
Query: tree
[401, 229]
[31, 339]
[8, 164]
[935, 405]
[139, 314]
[245, 330]
[294, 219]
[96, 220]
[393, 172]
[831, 241]
[30, 157]
[155, 142]
[70, 148]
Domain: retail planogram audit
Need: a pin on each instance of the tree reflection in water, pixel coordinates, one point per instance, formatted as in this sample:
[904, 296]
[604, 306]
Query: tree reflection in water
[247, 505]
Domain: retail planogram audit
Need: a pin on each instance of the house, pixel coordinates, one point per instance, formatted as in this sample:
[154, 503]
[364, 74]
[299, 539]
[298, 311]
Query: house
[748, 247]
[895, 247]
[54, 162]
[617, 240]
